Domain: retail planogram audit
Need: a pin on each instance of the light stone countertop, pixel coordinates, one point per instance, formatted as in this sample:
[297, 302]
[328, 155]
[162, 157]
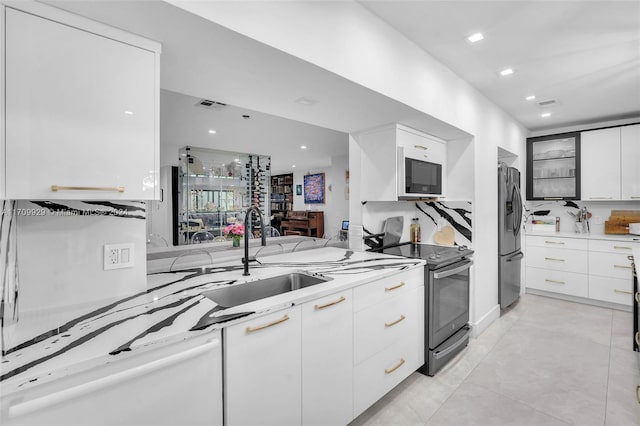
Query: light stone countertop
[588, 236]
[173, 309]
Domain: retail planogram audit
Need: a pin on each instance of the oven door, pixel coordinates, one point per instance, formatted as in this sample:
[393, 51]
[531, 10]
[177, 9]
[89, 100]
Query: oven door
[448, 301]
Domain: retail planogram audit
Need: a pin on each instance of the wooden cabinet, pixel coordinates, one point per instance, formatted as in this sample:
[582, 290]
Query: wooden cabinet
[382, 151]
[81, 105]
[553, 167]
[630, 162]
[601, 164]
[263, 377]
[281, 198]
[179, 384]
[327, 357]
[309, 223]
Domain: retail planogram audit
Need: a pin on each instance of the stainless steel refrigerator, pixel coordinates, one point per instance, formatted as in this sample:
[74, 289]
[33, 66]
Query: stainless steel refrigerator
[509, 226]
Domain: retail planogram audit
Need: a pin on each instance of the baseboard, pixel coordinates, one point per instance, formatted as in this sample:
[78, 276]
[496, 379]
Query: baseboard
[585, 301]
[478, 327]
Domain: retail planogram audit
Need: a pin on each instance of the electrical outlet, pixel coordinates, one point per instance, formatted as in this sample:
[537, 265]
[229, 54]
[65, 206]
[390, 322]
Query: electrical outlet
[597, 220]
[117, 256]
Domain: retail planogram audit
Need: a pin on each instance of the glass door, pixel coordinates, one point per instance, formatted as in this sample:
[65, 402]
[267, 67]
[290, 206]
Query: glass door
[553, 167]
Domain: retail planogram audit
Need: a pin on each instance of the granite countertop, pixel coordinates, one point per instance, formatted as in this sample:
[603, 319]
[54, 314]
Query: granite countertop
[174, 309]
[589, 236]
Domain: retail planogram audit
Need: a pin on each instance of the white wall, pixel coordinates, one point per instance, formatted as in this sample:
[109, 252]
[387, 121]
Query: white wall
[346, 39]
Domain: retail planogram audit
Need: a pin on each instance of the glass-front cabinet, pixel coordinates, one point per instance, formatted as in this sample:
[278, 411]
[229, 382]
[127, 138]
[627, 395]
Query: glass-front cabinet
[215, 189]
[553, 167]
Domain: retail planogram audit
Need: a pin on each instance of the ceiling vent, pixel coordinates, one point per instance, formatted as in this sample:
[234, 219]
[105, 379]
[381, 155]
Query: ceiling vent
[205, 103]
[547, 104]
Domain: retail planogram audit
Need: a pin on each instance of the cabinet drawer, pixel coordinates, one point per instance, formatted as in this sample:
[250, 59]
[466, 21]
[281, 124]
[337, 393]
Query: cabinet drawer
[386, 323]
[386, 288]
[382, 372]
[557, 259]
[557, 242]
[611, 290]
[569, 283]
[622, 247]
[610, 265]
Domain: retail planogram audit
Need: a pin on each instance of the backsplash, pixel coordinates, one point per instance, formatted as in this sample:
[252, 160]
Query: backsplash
[433, 215]
[600, 212]
[52, 261]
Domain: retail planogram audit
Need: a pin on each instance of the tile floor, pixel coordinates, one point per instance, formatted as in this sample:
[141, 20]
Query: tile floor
[545, 362]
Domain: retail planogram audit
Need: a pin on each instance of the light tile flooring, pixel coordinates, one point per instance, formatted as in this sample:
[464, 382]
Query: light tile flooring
[545, 362]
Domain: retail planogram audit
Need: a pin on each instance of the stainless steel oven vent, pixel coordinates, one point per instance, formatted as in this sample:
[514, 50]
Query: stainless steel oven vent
[206, 103]
[548, 103]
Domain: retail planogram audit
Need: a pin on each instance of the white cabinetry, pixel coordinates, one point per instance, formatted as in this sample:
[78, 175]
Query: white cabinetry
[600, 164]
[610, 271]
[81, 105]
[263, 377]
[388, 335]
[630, 162]
[180, 384]
[327, 360]
[382, 165]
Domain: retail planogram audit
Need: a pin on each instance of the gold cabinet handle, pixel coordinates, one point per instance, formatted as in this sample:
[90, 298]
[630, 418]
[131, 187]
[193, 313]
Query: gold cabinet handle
[622, 266]
[391, 370]
[554, 242]
[622, 291]
[635, 197]
[553, 258]
[391, 324]
[600, 198]
[394, 287]
[56, 188]
[326, 305]
[420, 147]
[622, 247]
[260, 327]
[638, 338]
[555, 281]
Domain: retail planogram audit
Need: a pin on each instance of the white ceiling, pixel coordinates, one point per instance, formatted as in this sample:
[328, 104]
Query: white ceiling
[583, 54]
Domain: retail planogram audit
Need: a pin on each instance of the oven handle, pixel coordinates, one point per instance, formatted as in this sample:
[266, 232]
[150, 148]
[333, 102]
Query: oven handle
[453, 347]
[444, 274]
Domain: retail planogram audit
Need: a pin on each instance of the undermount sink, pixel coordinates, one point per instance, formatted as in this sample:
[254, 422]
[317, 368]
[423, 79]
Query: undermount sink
[255, 290]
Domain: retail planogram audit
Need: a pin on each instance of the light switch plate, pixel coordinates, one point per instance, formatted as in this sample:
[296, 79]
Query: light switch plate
[117, 256]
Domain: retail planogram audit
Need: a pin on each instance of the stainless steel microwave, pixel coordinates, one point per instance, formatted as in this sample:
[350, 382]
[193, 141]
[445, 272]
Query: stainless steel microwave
[419, 176]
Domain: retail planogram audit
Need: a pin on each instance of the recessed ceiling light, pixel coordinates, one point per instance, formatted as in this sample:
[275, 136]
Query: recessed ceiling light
[545, 114]
[530, 98]
[129, 112]
[293, 166]
[303, 147]
[506, 71]
[475, 37]
[213, 132]
[306, 101]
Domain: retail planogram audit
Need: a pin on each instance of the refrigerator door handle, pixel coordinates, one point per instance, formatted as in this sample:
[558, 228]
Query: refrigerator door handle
[517, 218]
[516, 256]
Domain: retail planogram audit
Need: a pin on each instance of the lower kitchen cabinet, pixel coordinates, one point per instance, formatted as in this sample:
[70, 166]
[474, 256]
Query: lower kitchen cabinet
[180, 384]
[327, 358]
[263, 364]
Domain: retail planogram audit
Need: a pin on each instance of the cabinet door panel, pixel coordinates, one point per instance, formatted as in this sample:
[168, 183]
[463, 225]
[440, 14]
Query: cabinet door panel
[600, 160]
[80, 111]
[263, 371]
[557, 281]
[327, 360]
[630, 162]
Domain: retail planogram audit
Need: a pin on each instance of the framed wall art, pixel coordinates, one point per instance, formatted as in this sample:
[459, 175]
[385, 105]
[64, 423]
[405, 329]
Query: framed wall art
[314, 191]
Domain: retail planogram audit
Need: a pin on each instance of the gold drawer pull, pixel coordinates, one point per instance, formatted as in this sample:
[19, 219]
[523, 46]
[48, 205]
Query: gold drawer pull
[326, 305]
[638, 338]
[554, 242]
[622, 291]
[420, 147]
[391, 324]
[622, 266]
[55, 188]
[635, 197]
[600, 198]
[553, 258]
[391, 370]
[394, 287]
[555, 281]
[260, 327]
[622, 247]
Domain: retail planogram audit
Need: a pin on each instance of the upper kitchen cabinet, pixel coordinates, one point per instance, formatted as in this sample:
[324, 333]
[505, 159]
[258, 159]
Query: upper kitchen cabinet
[81, 108]
[610, 159]
[402, 163]
[553, 167]
[630, 162]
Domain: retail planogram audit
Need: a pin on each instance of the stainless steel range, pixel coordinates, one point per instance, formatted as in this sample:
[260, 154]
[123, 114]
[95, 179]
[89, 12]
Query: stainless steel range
[447, 300]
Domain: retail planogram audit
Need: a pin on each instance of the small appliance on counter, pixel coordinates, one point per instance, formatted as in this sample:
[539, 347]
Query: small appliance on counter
[446, 306]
